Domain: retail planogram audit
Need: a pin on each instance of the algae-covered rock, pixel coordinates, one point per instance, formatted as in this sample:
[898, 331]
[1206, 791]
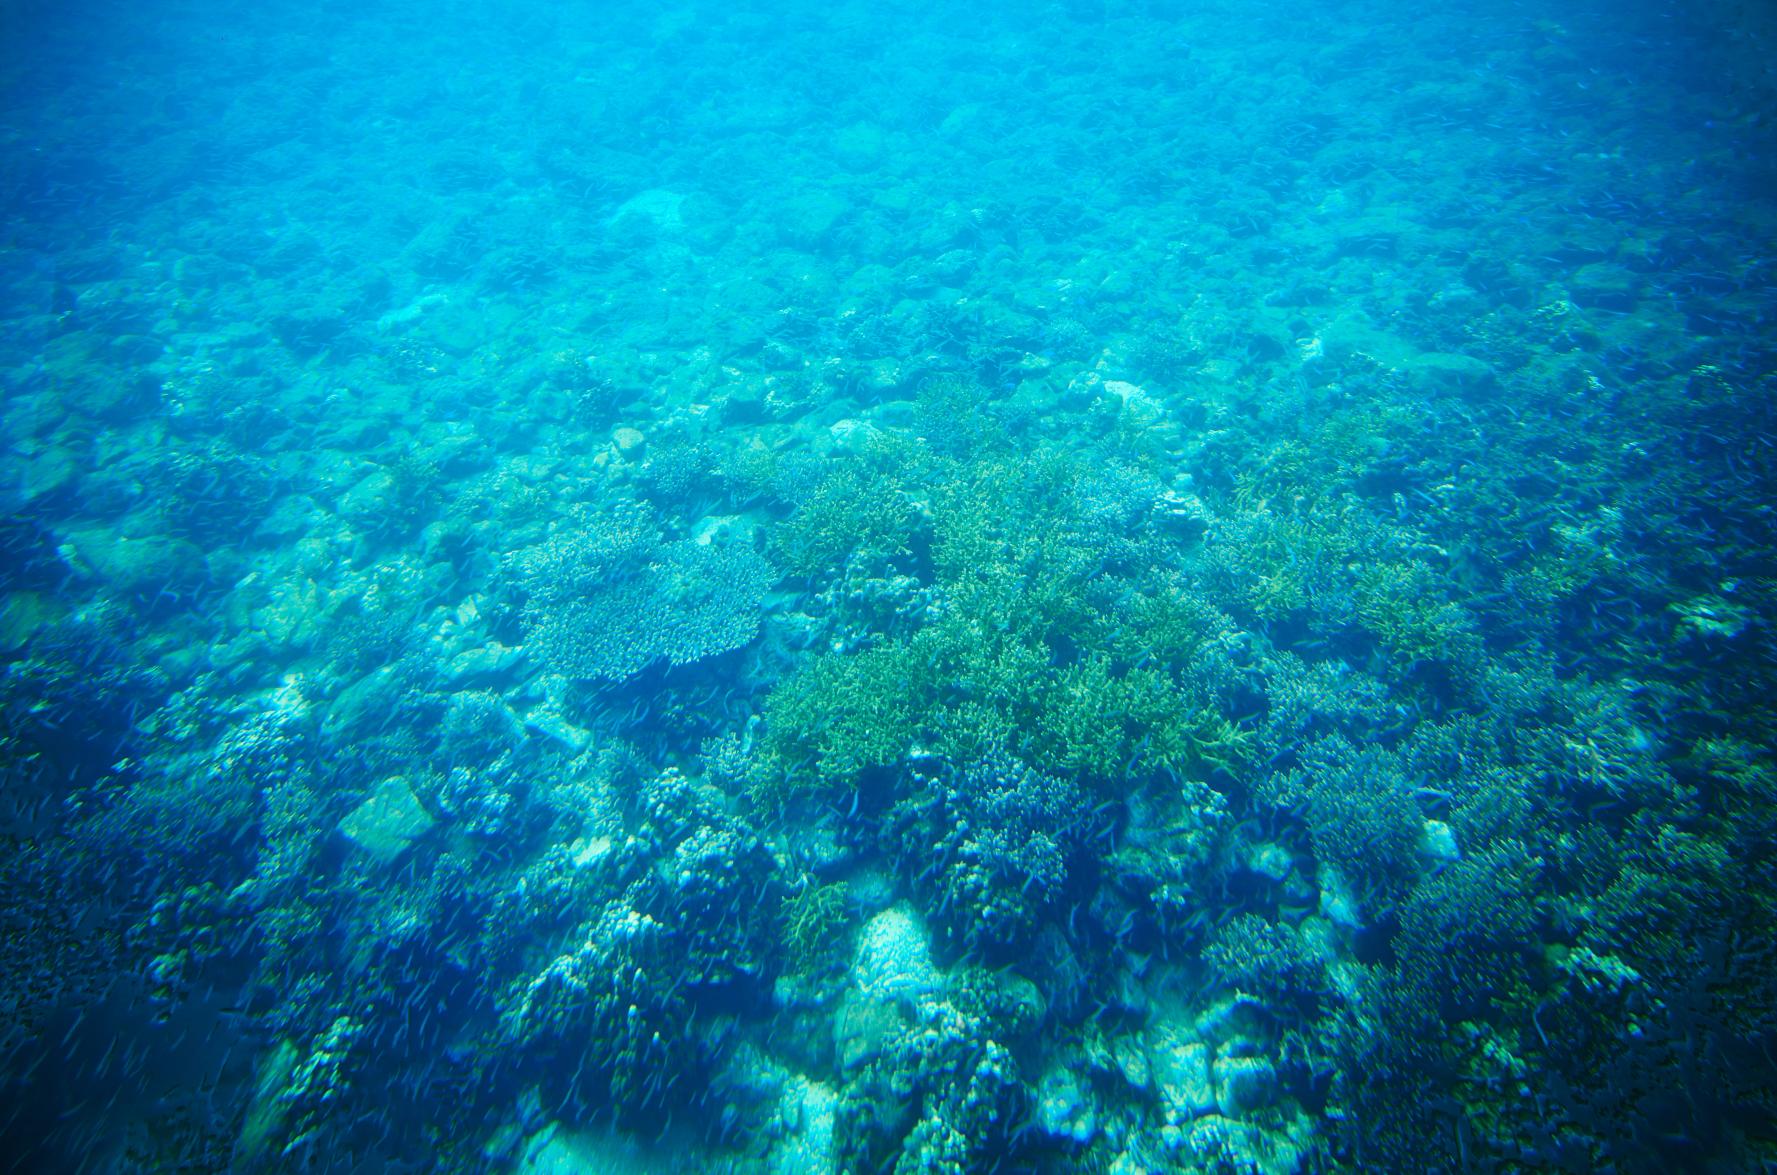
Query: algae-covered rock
[384, 825]
[1438, 843]
[23, 615]
[145, 568]
[808, 1147]
[1352, 344]
[551, 725]
[804, 221]
[486, 661]
[1440, 371]
[1181, 1071]
[556, 1150]
[45, 471]
[369, 498]
[1268, 860]
[629, 441]
[1605, 285]
[1132, 1062]
[656, 211]
[291, 616]
[855, 437]
[365, 702]
[293, 516]
[1244, 1084]
[859, 147]
[1218, 1143]
[894, 957]
[92, 371]
[861, 1028]
[262, 1132]
[1064, 1108]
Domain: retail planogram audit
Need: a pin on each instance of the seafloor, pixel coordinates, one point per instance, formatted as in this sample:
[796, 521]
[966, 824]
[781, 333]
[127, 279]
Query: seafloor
[1052, 587]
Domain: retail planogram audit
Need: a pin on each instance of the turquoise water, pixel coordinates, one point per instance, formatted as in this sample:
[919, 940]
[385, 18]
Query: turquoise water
[1036, 587]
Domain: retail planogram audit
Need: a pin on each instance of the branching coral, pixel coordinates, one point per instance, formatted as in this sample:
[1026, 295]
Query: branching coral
[814, 924]
[993, 840]
[1361, 815]
[607, 1024]
[942, 1095]
[852, 516]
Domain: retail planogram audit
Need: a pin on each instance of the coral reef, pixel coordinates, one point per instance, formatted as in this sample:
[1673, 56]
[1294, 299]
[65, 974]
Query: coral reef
[1045, 588]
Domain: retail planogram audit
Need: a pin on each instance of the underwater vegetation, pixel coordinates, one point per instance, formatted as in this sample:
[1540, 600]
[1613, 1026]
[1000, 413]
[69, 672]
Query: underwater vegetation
[1071, 587]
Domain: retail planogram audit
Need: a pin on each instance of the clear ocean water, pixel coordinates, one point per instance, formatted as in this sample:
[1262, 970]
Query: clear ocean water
[1054, 586]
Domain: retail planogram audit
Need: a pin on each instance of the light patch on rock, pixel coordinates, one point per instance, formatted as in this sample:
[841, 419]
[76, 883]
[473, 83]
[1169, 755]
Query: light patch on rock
[389, 821]
[1180, 1064]
[1437, 842]
[551, 725]
[662, 209]
[809, 1110]
[596, 1151]
[854, 436]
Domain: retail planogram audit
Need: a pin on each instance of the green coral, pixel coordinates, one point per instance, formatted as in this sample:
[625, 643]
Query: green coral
[1101, 724]
[1407, 606]
[839, 716]
[1271, 566]
[948, 414]
[1468, 934]
[814, 926]
[852, 516]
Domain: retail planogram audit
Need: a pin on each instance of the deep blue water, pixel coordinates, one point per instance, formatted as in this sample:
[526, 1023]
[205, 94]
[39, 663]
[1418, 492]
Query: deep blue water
[888, 587]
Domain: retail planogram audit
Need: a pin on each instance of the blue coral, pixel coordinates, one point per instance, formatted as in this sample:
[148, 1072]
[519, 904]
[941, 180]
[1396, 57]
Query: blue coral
[608, 605]
[994, 840]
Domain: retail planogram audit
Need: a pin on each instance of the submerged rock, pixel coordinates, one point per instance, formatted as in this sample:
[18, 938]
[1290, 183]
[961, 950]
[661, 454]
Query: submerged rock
[810, 1110]
[547, 722]
[366, 701]
[629, 441]
[1605, 285]
[1271, 861]
[1437, 843]
[388, 822]
[1132, 1062]
[1181, 1070]
[1244, 1084]
[1441, 371]
[489, 660]
[1227, 1144]
[1064, 1111]
[256, 1148]
[894, 957]
[143, 567]
[555, 1150]
[861, 1028]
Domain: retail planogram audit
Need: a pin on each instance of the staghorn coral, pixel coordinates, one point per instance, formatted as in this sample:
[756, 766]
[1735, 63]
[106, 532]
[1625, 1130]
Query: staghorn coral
[851, 517]
[814, 927]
